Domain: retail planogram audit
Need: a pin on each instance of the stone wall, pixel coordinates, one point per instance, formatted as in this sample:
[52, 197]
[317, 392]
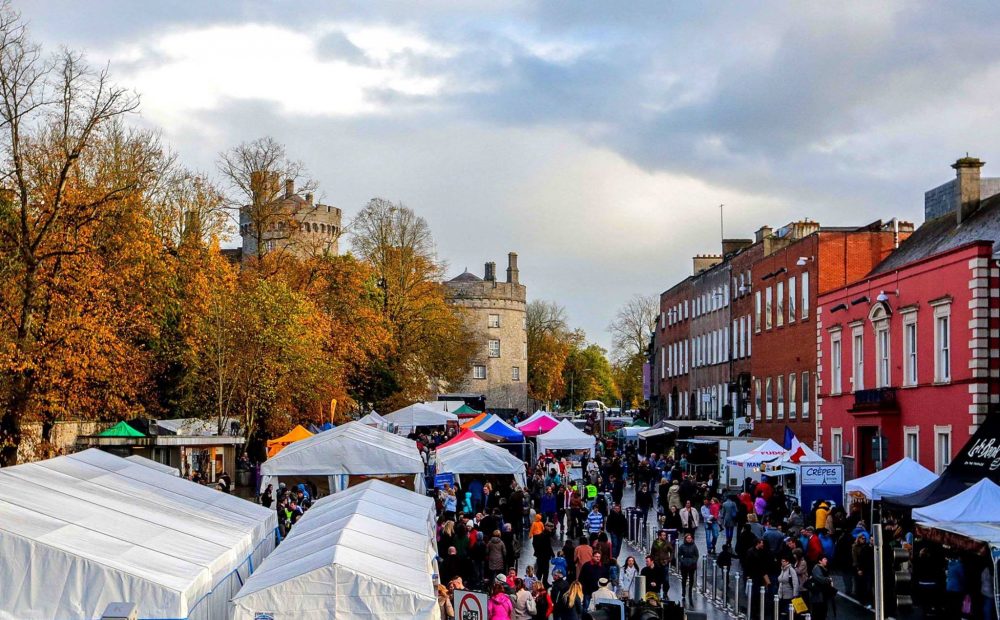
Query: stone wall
[64, 436]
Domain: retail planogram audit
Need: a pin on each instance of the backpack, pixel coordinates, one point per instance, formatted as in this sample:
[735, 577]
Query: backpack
[532, 607]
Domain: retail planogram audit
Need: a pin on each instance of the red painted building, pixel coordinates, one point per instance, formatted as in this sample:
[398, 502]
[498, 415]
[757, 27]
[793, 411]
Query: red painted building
[799, 262]
[908, 356]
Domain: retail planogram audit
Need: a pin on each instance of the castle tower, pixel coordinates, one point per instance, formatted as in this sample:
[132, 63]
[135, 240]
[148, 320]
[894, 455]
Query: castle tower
[496, 311]
[293, 223]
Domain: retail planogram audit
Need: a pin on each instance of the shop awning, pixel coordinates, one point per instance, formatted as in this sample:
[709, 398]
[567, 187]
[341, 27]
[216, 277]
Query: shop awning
[122, 429]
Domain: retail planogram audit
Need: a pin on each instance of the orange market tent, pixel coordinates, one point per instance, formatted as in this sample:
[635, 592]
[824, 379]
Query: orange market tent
[275, 446]
[476, 420]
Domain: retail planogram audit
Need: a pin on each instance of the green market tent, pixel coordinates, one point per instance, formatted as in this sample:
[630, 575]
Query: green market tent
[120, 430]
[639, 422]
[465, 409]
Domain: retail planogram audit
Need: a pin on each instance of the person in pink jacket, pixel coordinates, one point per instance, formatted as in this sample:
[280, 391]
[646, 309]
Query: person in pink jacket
[499, 606]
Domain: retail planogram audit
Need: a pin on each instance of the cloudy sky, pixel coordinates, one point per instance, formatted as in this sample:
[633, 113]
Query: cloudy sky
[596, 139]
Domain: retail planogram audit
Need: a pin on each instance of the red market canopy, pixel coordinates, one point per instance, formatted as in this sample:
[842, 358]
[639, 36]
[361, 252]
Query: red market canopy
[465, 434]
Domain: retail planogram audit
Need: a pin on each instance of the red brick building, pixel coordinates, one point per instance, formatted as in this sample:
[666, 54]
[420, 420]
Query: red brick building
[908, 356]
[799, 262]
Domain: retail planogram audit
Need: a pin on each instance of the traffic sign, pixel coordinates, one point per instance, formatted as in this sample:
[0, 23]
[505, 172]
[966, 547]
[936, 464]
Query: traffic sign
[470, 605]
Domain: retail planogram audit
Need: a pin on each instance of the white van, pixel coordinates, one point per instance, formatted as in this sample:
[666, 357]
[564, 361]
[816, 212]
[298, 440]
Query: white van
[594, 406]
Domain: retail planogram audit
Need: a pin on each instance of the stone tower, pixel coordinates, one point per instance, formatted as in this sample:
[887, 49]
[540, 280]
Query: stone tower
[293, 224]
[496, 312]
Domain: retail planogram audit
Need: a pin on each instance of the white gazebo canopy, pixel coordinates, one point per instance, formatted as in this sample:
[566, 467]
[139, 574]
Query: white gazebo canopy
[104, 529]
[374, 419]
[973, 505]
[420, 414]
[366, 553]
[150, 463]
[566, 436]
[475, 456]
[351, 449]
[764, 453]
[901, 478]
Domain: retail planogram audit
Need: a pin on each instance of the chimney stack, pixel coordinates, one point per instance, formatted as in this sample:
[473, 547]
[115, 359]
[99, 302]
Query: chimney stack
[762, 233]
[289, 188]
[491, 272]
[512, 267]
[309, 198]
[967, 190]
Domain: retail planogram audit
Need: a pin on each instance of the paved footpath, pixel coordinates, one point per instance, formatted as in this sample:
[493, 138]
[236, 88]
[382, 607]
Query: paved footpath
[846, 608]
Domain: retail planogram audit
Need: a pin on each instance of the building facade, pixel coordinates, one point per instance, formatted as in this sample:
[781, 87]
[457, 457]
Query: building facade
[293, 223]
[910, 354]
[496, 311]
[798, 262]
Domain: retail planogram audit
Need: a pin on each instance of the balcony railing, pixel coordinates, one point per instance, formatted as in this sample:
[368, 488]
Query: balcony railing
[878, 400]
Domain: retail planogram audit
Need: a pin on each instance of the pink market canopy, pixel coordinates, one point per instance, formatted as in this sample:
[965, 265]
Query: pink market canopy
[539, 422]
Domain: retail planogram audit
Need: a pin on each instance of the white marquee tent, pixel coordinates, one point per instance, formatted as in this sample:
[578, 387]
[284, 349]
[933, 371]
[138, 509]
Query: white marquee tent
[419, 414]
[351, 449]
[475, 456]
[901, 478]
[565, 436]
[93, 528]
[150, 463]
[800, 454]
[764, 453]
[374, 419]
[368, 552]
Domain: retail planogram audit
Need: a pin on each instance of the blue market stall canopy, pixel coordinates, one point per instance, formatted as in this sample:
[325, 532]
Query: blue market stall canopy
[496, 426]
[905, 476]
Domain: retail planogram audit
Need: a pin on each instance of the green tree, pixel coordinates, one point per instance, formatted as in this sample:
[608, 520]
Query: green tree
[588, 376]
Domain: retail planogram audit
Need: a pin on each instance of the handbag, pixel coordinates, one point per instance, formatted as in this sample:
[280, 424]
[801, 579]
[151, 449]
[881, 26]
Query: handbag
[799, 605]
[967, 605]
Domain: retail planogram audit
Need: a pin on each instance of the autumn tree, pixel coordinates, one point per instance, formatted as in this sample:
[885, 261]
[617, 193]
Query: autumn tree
[431, 343]
[588, 376]
[74, 241]
[549, 343]
[630, 334]
[256, 174]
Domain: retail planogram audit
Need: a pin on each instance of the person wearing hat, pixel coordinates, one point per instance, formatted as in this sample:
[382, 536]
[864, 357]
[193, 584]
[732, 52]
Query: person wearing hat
[603, 592]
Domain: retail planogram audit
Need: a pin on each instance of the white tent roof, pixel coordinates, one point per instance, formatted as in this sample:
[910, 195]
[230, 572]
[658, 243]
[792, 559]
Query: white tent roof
[352, 448]
[765, 452]
[107, 529]
[538, 414]
[444, 405]
[901, 478]
[475, 456]
[350, 556]
[565, 436]
[420, 414]
[150, 463]
[374, 419]
[969, 506]
[808, 456]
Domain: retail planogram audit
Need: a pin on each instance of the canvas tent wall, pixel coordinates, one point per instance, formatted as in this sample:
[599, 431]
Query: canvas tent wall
[476, 456]
[141, 460]
[900, 478]
[376, 420]
[419, 414]
[366, 553]
[107, 529]
[565, 436]
[353, 449]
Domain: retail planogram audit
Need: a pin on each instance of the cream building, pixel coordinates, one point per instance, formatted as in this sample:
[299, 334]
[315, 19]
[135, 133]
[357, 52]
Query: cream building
[496, 311]
[293, 223]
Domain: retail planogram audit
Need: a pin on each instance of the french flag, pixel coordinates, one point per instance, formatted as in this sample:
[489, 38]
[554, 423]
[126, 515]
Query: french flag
[791, 443]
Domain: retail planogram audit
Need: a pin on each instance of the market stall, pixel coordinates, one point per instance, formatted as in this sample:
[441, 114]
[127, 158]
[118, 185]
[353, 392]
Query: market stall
[476, 456]
[498, 427]
[274, 446]
[420, 414]
[376, 420]
[537, 423]
[366, 553]
[566, 436]
[101, 529]
[900, 478]
[336, 459]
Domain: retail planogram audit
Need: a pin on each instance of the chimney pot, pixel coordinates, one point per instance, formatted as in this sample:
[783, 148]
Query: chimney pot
[491, 272]
[512, 272]
[289, 188]
[309, 198]
[967, 189]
